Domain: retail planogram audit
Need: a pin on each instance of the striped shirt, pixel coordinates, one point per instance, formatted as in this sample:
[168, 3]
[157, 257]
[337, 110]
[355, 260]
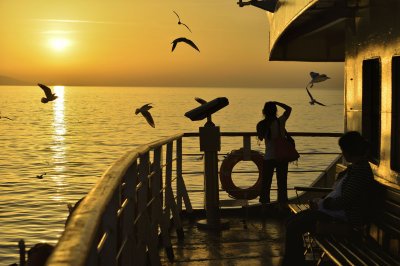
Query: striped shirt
[356, 191]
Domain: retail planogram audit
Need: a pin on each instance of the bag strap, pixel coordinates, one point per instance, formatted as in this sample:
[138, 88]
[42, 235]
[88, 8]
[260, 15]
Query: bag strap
[280, 131]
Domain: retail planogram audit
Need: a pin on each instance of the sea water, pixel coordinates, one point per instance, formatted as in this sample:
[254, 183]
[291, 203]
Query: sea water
[73, 140]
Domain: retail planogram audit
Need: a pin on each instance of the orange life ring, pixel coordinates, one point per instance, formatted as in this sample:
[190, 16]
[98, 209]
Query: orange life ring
[225, 175]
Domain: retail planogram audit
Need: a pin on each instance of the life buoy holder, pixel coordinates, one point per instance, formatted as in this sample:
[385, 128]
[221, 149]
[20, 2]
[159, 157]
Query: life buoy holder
[225, 175]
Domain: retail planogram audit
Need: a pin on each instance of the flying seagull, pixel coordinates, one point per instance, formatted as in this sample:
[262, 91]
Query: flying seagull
[145, 112]
[316, 77]
[200, 100]
[179, 21]
[313, 101]
[175, 42]
[2, 116]
[49, 95]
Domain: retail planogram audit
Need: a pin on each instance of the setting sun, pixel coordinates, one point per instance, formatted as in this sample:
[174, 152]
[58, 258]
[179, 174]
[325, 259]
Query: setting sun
[59, 44]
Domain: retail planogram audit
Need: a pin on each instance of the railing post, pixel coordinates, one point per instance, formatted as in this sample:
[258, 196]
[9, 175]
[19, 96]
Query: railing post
[246, 148]
[169, 194]
[157, 214]
[108, 252]
[142, 192]
[181, 188]
[168, 171]
[179, 174]
[156, 180]
[128, 216]
[146, 232]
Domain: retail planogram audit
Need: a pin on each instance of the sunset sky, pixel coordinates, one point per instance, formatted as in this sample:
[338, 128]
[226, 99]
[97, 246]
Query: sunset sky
[128, 43]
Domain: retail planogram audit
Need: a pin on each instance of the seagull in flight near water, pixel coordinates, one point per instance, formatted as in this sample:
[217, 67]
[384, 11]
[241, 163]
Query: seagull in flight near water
[144, 110]
[49, 95]
[179, 21]
[313, 101]
[176, 41]
[316, 77]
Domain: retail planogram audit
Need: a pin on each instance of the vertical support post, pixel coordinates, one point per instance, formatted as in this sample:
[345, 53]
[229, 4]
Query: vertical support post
[210, 143]
[128, 216]
[108, 253]
[179, 174]
[181, 187]
[155, 181]
[170, 204]
[168, 171]
[246, 148]
[142, 193]
[144, 170]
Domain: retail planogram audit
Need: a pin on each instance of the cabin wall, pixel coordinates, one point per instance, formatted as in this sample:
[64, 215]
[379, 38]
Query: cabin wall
[373, 34]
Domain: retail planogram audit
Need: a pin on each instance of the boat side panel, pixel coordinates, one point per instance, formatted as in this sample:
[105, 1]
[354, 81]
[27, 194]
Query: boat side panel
[375, 35]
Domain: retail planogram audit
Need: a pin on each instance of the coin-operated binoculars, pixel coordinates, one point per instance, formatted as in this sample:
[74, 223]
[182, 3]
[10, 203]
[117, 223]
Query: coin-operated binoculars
[210, 144]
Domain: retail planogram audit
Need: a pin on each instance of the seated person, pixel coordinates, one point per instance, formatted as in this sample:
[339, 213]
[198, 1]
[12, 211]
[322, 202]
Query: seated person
[348, 202]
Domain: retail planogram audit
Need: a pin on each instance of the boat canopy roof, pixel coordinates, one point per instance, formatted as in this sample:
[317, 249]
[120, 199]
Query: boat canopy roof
[310, 30]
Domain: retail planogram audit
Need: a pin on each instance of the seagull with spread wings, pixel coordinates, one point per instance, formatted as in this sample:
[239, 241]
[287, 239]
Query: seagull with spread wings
[179, 21]
[182, 39]
[316, 77]
[144, 110]
[313, 101]
[49, 95]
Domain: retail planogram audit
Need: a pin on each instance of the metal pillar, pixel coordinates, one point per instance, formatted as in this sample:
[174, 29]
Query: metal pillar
[210, 144]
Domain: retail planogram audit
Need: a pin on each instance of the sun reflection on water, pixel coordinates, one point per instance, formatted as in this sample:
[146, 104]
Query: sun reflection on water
[58, 146]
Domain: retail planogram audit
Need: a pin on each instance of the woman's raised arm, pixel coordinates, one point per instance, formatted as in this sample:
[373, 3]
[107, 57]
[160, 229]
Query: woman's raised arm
[287, 108]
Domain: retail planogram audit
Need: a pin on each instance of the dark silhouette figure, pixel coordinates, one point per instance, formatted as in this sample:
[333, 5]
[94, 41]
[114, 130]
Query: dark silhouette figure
[182, 39]
[144, 110]
[40, 176]
[49, 95]
[179, 21]
[2, 116]
[316, 77]
[348, 203]
[313, 101]
[270, 129]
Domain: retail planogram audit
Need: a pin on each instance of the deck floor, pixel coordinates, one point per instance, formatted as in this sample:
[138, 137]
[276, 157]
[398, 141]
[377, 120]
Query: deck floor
[252, 241]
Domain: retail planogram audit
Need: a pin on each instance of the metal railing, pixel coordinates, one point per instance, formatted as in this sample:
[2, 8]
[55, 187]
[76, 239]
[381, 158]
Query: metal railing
[118, 221]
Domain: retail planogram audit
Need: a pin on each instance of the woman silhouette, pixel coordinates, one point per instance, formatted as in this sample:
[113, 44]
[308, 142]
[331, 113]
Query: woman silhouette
[271, 128]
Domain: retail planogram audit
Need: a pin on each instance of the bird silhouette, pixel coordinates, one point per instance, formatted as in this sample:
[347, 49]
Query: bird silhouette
[182, 39]
[144, 110]
[49, 95]
[316, 77]
[200, 100]
[179, 21]
[2, 116]
[40, 176]
[313, 101]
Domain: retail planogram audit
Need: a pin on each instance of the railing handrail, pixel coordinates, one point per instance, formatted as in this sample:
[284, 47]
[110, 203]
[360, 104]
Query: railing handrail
[297, 134]
[86, 219]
